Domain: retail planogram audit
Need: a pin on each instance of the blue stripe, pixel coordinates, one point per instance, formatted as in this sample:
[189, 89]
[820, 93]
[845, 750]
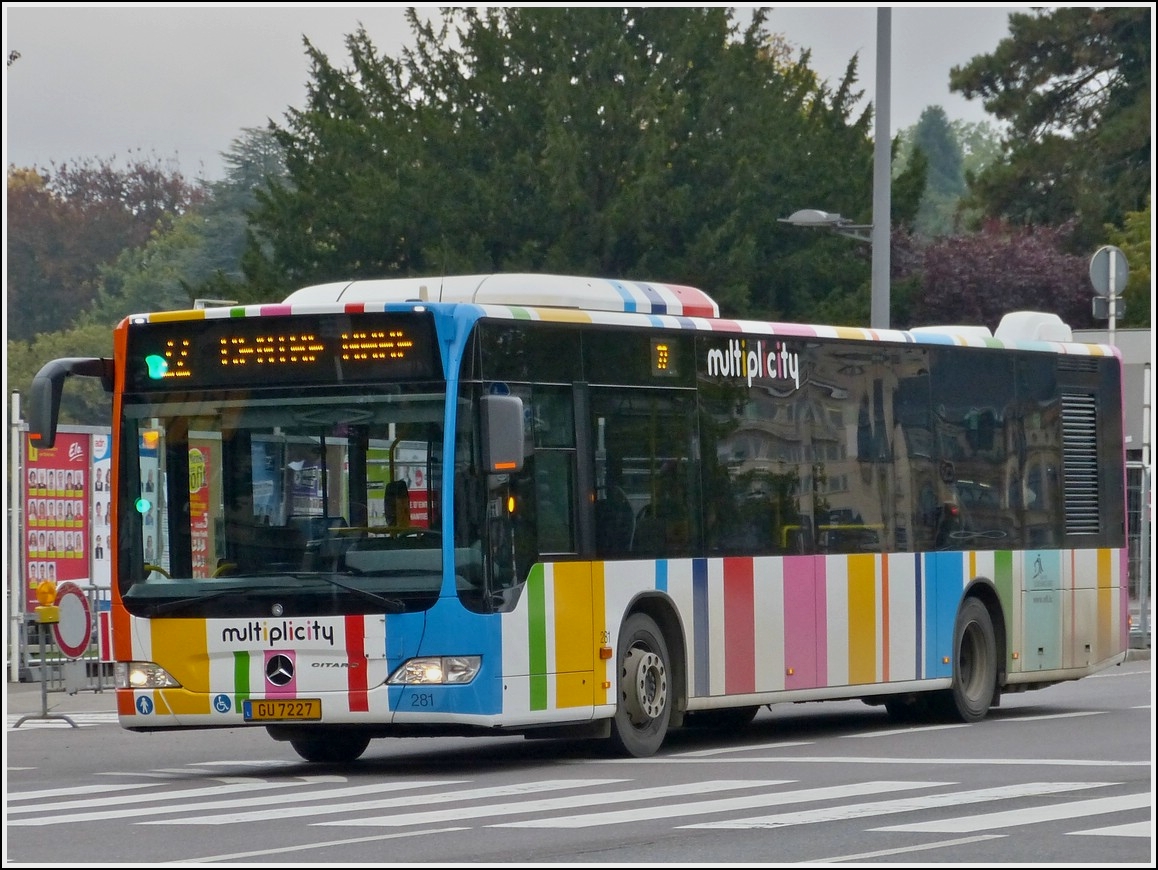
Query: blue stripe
[920, 596]
[947, 576]
[629, 303]
[658, 306]
[700, 628]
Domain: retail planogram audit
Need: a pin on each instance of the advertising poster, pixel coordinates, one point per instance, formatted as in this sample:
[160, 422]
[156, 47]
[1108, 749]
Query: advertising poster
[101, 500]
[200, 465]
[56, 510]
[149, 499]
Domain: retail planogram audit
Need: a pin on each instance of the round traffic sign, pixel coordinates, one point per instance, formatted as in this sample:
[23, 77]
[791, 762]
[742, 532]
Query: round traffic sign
[1109, 270]
[74, 631]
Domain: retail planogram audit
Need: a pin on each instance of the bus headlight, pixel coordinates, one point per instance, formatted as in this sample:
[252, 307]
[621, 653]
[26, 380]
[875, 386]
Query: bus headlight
[143, 675]
[436, 670]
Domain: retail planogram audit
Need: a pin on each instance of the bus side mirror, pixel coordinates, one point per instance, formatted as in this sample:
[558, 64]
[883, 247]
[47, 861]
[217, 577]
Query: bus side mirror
[502, 434]
[44, 396]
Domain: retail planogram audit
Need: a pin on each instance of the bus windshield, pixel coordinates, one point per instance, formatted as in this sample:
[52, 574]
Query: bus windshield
[285, 501]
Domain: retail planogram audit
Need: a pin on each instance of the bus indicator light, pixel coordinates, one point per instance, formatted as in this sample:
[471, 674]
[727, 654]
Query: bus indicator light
[663, 364]
[156, 366]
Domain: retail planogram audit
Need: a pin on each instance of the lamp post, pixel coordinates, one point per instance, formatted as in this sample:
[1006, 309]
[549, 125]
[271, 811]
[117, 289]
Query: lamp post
[879, 231]
[842, 226]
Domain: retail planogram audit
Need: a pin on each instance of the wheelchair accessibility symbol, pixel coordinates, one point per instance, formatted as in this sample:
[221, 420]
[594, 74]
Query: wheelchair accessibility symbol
[221, 704]
[144, 705]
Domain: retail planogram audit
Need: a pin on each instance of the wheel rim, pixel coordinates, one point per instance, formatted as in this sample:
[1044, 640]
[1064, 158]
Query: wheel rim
[645, 677]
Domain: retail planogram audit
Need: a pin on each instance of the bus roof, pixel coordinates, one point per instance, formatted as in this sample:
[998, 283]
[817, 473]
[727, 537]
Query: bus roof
[567, 298]
[521, 289]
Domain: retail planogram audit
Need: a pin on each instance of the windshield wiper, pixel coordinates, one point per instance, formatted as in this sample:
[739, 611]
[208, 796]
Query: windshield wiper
[181, 603]
[394, 605]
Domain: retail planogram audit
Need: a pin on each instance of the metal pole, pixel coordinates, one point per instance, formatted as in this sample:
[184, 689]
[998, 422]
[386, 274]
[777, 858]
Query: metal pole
[1144, 513]
[44, 714]
[16, 580]
[882, 176]
[1113, 294]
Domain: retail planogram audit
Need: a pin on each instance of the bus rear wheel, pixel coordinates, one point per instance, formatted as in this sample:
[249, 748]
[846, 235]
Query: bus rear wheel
[329, 745]
[643, 707]
[974, 665]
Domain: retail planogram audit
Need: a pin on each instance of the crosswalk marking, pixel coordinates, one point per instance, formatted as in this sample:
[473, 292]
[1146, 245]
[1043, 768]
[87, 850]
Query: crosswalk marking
[127, 811]
[240, 801]
[1129, 829]
[902, 805]
[561, 803]
[523, 788]
[645, 813]
[1028, 815]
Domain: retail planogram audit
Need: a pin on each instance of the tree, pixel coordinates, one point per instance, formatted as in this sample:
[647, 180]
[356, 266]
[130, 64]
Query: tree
[64, 223]
[934, 138]
[84, 402]
[651, 143]
[200, 254]
[1073, 83]
[1134, 238]
[978, 278]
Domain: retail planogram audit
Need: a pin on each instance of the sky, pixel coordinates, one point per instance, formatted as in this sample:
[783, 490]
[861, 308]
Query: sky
[182, 81]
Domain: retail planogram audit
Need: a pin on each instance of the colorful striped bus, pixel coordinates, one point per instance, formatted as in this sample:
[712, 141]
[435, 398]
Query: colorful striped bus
[557, 506]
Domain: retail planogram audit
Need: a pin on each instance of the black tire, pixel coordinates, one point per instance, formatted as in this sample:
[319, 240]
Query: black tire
[329, 746]
[644, 705]
[731, 719]
[974, 666]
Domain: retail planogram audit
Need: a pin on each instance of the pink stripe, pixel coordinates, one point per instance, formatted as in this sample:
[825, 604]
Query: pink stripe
[290, 689]
[726, 326]
[739, 626]
[800, 623]
[270, 310]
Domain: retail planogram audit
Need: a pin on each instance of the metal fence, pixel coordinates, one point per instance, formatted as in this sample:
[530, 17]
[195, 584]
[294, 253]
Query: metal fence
[43, 659]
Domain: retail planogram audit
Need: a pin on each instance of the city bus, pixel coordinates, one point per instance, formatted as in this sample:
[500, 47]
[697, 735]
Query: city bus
[555, 506]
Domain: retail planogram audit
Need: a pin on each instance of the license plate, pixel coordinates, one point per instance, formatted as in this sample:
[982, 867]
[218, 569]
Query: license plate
[282, 709]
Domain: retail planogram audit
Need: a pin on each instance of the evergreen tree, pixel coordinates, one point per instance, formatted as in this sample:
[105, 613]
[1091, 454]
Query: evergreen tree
[1073, 84]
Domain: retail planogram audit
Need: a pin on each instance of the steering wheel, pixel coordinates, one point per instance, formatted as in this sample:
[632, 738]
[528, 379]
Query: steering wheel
[224, 569]
[150, 568]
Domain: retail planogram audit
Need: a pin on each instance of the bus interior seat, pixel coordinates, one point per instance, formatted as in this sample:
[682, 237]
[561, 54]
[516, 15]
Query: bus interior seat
[257, 548]
[614, 523]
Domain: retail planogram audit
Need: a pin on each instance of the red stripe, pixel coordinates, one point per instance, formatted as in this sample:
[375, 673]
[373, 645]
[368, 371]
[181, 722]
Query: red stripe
[739, 626]
[104, 620]
[358, 676]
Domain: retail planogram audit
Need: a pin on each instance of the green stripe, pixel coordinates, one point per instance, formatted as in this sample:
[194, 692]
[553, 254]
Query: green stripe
[1003, 580]
[240, 677]
[537, 637]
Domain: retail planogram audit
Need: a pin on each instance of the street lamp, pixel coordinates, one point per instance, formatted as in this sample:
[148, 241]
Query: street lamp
[814, 217]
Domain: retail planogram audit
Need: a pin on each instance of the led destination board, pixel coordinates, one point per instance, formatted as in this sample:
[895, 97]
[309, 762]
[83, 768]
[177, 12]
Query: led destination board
[278, 351]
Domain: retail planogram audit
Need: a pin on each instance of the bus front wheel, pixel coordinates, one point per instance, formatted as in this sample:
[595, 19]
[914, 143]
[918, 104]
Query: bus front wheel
[643, 707]
[974, 665]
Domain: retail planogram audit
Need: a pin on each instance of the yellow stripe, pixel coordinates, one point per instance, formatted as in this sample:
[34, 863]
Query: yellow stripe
[862, 619]
[182, 645]
[574, 644]
[562, 315]
[1107, 613]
